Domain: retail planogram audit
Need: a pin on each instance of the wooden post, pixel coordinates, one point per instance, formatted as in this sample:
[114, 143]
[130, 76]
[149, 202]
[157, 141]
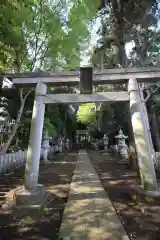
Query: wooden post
[146, 165]
[86, 80]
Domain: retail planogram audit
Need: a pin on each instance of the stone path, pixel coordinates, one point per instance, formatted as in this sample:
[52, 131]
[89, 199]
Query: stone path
[89, 214]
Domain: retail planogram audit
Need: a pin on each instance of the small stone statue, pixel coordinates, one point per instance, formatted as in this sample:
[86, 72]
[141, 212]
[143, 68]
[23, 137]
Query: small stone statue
[105, 139]
[61, 146]
[96, 146]
[77, 141]
[45, 147]
[67, 144]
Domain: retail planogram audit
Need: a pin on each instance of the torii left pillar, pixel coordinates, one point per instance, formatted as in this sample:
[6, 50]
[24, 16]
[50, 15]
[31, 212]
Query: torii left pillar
[32, 192]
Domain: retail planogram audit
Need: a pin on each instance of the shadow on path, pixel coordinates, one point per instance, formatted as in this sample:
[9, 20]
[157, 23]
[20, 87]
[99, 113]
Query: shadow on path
[40, 224]
[141, 221]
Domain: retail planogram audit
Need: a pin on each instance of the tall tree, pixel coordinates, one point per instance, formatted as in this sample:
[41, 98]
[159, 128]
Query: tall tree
[41, 35]
[121, 22]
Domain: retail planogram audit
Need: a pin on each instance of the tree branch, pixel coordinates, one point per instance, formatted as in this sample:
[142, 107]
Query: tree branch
[28, 93]
[152, 92]
[18, 119]
[21, 94]
[38, 52]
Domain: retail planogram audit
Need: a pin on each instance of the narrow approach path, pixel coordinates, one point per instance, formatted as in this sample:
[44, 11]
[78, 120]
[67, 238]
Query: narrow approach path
[89, 213]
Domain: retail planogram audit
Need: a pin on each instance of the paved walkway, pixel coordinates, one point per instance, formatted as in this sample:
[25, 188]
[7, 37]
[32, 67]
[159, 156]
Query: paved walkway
[89, 214]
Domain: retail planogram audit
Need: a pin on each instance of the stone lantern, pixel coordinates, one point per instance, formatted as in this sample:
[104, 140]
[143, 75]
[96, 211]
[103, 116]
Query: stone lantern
[122, 147]
[96, 145]
[105, 139]
[45, 147]
[61, 146]
[77, 141]
[67, 144]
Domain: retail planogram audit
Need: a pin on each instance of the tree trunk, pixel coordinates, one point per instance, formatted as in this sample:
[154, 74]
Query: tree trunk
[1, 83]
[130, 128]
[65, 124]
[154, 131]
[118, 31]
[118, 34]
[15, 127]
[153, 125]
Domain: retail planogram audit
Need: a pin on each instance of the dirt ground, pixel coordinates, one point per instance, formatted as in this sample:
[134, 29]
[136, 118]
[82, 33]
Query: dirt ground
[38, 224]
[44, 224]
[116, 179]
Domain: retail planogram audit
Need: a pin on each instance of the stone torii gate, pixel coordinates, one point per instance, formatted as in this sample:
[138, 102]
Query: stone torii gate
[33, 192]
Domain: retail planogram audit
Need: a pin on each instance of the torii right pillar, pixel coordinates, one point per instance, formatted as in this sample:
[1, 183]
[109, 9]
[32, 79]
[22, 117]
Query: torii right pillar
[145, 160]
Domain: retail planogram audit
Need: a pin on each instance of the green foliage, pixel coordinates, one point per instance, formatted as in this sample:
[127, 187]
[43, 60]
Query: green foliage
[49, 127]
[12, 42]
[51, 36]
[46, 35]
[122, 22]
[86, 113]
[20, 141]
[43, 34]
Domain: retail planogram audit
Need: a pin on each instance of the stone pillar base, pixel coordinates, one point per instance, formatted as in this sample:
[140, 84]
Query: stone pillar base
[141, 195]
[149, 193]
[46, 162]
[30, 197]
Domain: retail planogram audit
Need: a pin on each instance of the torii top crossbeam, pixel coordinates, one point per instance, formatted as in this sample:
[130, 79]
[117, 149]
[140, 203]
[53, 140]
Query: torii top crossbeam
[111, 76]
